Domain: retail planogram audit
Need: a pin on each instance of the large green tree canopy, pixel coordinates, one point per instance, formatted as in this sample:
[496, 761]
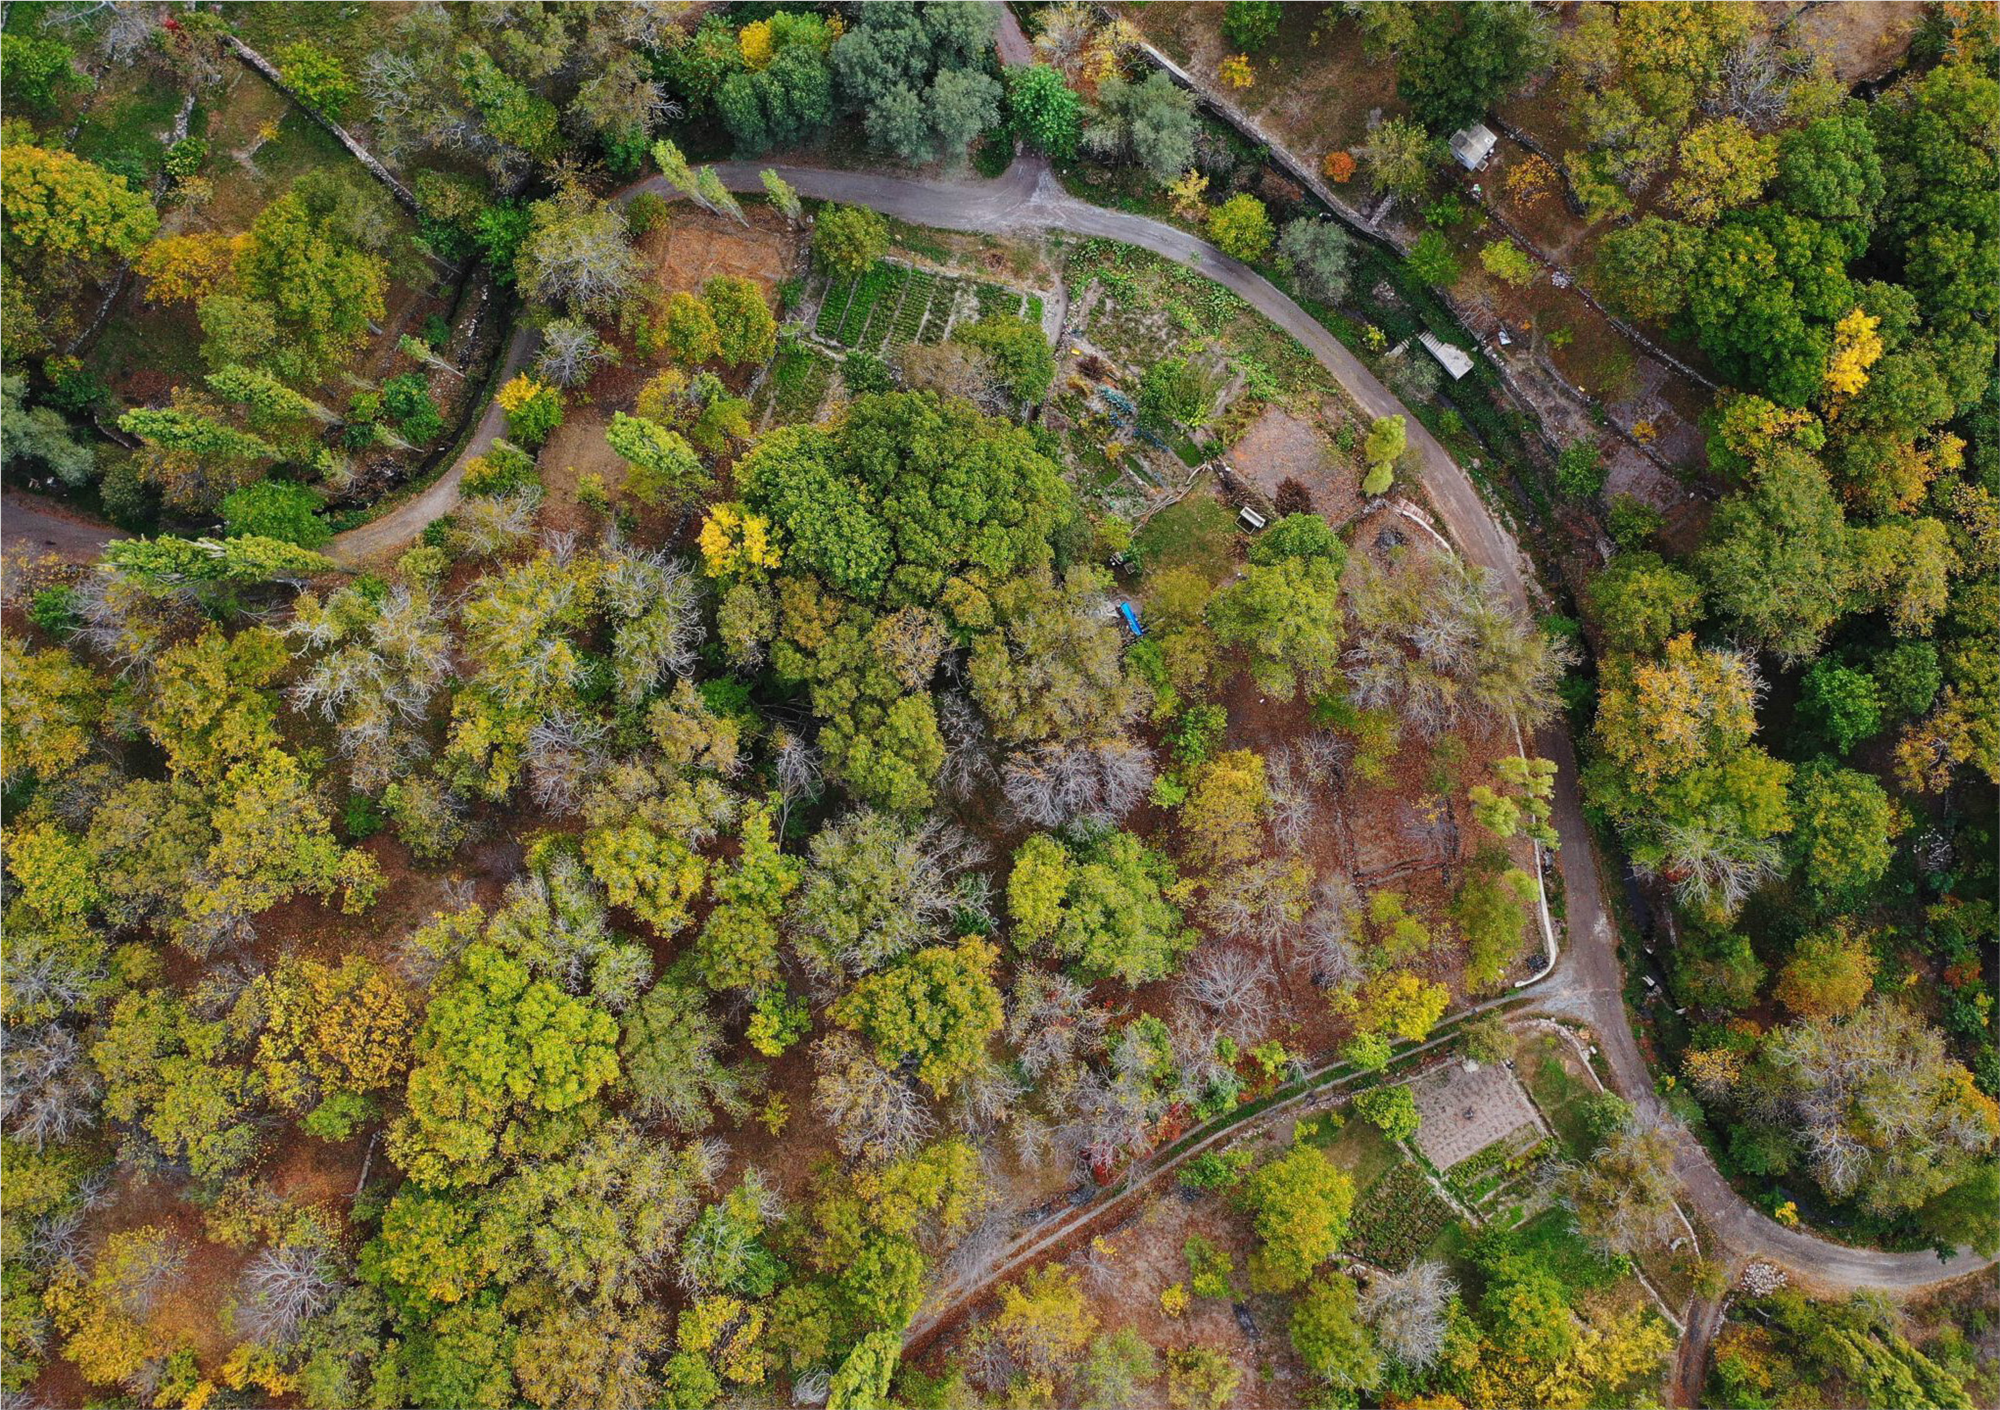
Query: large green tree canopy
[906, 493]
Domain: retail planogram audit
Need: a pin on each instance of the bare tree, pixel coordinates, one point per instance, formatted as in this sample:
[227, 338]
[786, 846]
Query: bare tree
[873, 1111]
[571, 352]
[876, 888]
[985, 1096]
[1051, 1021]
[796, 765]
[1232, 984]
[49, 1095]
[1713, 865]
[968, 747]
[285, 1286]
[1410, 1310]
[578, 254]
[1198, 1062]
[563, 753]
[1292, 806]
[1054, 785]
[1261, 902]
[145, 1268]
[1428, 823]
[656, 603]
[376, 664]
[1436, 645]
[1326, 941]
[487, 526]
[1623, 1196]
[1756, 81]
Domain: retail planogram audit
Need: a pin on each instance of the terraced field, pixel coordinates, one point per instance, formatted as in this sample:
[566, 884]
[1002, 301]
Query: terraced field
[894, 305]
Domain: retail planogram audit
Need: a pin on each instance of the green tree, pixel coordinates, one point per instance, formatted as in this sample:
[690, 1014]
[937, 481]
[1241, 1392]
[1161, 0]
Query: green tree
[499, 1051]
[1288, 617]
[1645, 267]
[1173, 392]
[745, 330]
[1506, 261]
[1393, 1109]
[1454, 62]
[1842, 704]
[785, 102]
[1241, 228]
[1044, 111]
[1019, 353]
[1776, 557]
[738, 944]
[1724, 166]
[662, 466]
[275, 509]
[37, 69]
[1104, 908]
[1846, 823]
[848, 239]
[862, 1379]
[1431, 260]
[671, 1053]
[1640, 601]
[1829, 169]
[168, 1071]
[938, 1007]
[1329, 1335]
[687, 331]
[1401, 155]
[1319, 255]
[1151, 122]
[1249, 25]
[307, 257]
[1493, 909]
[1299, 1205]
[1763, 299]
[319, 78]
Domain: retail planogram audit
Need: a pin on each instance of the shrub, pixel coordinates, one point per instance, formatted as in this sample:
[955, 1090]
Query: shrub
[847, 239]
[1432, 261]
[275, 509]
[317, 77]
[534, 409]
[1580, 469]
[1241, 228]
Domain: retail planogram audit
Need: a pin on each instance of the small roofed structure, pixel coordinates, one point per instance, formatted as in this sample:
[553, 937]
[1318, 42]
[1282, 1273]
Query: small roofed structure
[1453, 360]
[1473, 146]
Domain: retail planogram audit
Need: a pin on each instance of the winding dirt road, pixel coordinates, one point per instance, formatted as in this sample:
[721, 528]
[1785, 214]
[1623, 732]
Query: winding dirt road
[1586, 984]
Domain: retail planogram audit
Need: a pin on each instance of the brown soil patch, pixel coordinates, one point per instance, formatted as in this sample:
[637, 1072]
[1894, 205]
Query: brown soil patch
[697, 246]
[1281, 446]
[1862, 41]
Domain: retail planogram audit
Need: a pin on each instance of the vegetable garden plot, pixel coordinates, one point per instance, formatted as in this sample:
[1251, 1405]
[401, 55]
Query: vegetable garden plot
[1396, 1218]
[894, 305]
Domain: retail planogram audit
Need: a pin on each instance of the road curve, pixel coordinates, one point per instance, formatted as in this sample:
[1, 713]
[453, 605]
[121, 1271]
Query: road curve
[1587, 983]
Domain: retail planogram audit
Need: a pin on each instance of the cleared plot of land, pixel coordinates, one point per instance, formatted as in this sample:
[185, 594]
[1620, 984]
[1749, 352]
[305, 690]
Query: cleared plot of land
[1465, 1111]
[698, 246]
[1281, 446]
